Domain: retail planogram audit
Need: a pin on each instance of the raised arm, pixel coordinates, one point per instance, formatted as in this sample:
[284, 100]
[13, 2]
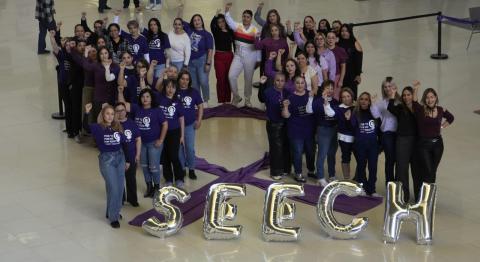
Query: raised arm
[53, 42]
[151, 72]
[228, 18]
[121, 98]
[269, 71]
[187, 51]
[285, 112]
[83, 22]
[258, 15]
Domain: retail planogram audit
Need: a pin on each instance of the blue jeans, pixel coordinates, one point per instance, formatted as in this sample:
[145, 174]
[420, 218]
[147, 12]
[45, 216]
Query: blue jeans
[178, 65]
[112, 168]
[187, 151]
[366, 152]
[388, 144]
[327, 148]
[298, 146]
[150, 161]
[159, 70]
[199, 77]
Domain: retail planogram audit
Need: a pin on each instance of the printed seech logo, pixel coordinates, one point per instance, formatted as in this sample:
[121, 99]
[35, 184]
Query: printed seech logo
[157, 43]
[171, 110]
[187, 100]
[128, 134]
[116, 136]
[136, 47]
[146, 121]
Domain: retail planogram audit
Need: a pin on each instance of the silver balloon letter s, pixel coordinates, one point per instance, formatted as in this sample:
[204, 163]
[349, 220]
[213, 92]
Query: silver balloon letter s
[328, 222]
[422, 213]
[276, 210]
[173, 215]
[217, 210]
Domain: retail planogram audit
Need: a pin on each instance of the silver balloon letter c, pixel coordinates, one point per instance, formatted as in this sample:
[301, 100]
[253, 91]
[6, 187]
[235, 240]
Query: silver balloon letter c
[173, 215]
[217, 210]
[422, 213]
[276, 210]
[328, 222]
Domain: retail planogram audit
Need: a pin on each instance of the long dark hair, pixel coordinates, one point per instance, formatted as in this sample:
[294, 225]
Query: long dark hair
[297, 69]
[167, 82]
[150, 33]
[352, 38]
[100, 50]
[152, 95]
[315, 55]
[185, 72]
[404, 105]
[308, 34]
[327, 25]
[201, 18]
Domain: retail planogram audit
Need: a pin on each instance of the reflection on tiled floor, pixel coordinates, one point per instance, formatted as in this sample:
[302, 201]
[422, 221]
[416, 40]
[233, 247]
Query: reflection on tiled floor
[52, 198]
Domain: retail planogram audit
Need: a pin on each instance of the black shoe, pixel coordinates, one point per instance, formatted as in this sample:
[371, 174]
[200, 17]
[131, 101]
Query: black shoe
[100, 11]
[191, 174]
[149, 190]
[312, 175]
[134, 204]
[71, 136]
[115, 224]
[43, 52]
[107, 7]
[155, 189]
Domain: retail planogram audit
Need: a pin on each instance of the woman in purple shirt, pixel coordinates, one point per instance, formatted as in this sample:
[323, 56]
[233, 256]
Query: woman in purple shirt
[291, 70]
[158, 45]
[431, 118]
[365, 127]
[273, 43]
[341, 57]
[193, 114]
[110, 138]
[134, 145]
[300, 127]
[153, 128]
[326, 53]
[173, 111]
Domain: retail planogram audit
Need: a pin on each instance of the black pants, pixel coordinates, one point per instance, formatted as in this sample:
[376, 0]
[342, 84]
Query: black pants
[126, 3]
[76, 114]
[405, 159]
[66, 90]
[131, 183]
[430, 151]
[102, 4]
[170, 158]
[278, 148]
[388, 144]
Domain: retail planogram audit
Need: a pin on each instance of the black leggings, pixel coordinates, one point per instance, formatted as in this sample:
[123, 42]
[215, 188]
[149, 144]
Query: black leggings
[430, 151]
[279, 150]
[170, 159]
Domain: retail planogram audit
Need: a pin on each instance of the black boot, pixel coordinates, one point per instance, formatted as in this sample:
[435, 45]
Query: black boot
[156, 187]
[191, 174]
[149, 190]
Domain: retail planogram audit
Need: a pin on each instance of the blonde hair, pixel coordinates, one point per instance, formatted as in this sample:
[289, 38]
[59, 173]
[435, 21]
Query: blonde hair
[116, 126]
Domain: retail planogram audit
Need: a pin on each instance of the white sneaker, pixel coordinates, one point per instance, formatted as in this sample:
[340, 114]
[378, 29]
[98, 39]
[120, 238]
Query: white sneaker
[322, 182]
[149, 6]
[331, 179]
[157, 7]
[247, 102]
[376, 195]
[276, 177]
[236, 100]
[78, 139]
[205, 104]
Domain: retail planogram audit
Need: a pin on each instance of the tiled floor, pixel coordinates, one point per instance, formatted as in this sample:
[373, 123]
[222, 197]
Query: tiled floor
[52, 197]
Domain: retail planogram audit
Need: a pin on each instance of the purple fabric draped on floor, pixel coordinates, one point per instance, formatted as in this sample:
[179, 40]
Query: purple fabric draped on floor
[193, 209]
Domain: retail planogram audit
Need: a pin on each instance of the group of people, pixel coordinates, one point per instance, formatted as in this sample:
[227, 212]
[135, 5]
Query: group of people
[141, 95]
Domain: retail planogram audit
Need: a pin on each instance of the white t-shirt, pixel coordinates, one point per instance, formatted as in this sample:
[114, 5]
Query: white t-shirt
[180, 47]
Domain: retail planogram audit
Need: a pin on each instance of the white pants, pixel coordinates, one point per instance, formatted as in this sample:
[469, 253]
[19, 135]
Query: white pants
[245, 58]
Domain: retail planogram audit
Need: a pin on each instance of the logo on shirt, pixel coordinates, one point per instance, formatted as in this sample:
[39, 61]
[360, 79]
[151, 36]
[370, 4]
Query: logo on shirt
[116, 136]
[195, 40]
[188, 101]
[368, 127]
[155, 44]
[146, 121]
[128, 134]
[171, 110]
[135, 48]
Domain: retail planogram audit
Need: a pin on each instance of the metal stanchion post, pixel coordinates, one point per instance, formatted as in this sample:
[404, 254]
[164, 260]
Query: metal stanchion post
[59, 115]
[439, 54]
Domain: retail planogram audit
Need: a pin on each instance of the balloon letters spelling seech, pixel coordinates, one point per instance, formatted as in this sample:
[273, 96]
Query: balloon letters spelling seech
[276, 210]
[422, 213]
[328, 222]
[173, 215]
[217, 210]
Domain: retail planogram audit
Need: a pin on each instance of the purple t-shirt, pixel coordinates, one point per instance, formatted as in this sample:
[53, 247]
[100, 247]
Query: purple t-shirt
[107, 139]
[172, 110]
[149, 122]
[201, 41]
[341, 57]
[271, 45]
[190, 99]
[157, 46]
[300, 123]
[139, 45]
[320, 117]
[131, 132]
[273, 103]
